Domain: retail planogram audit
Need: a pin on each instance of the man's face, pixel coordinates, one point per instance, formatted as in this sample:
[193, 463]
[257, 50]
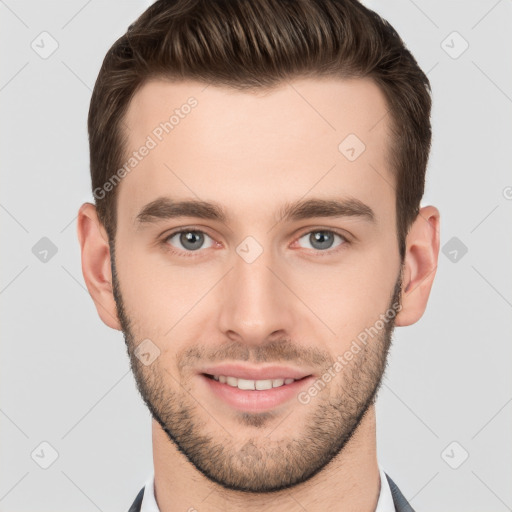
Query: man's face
[257, 289]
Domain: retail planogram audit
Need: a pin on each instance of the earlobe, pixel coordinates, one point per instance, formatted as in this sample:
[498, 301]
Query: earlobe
[96, 268]
[422, 251]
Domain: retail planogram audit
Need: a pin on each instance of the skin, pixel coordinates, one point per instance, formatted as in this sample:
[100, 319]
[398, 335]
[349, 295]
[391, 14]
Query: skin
[295, 304]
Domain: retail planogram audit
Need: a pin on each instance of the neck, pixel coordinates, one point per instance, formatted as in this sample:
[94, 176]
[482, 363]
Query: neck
[350, 482]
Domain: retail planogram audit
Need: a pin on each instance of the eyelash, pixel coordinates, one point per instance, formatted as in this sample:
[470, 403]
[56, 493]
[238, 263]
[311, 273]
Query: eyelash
[194, 254]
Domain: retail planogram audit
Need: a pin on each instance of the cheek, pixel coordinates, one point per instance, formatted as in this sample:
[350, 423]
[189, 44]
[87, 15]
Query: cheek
[156, 294]
[351, 295]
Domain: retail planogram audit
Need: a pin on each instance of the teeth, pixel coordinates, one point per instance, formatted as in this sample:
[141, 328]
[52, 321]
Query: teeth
[252, 384]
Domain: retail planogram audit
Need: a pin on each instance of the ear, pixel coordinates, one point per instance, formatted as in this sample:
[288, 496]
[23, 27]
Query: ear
[420, 264]
[96, 268]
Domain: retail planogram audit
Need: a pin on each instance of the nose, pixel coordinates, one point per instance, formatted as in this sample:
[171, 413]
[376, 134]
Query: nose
[255, 302]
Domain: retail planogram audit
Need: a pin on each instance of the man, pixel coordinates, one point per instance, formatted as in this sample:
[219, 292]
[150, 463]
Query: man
[257, 169]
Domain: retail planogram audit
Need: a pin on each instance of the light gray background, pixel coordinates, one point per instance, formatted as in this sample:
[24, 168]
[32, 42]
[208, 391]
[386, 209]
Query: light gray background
[65, 375]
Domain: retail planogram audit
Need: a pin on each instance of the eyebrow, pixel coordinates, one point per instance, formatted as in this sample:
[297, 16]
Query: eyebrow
[165, 208]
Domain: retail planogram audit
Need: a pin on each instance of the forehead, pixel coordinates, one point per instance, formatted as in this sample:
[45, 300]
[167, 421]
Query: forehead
[258, 149]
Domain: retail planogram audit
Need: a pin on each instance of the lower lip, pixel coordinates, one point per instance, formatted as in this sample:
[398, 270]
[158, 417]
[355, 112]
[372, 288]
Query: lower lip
[256, 400]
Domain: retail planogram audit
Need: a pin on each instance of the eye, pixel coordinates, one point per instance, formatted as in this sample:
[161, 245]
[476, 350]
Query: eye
[322, 239]
[186, 242]
[190, 240]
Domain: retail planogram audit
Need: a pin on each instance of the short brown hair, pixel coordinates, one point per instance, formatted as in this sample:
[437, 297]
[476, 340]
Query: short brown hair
[254, 44]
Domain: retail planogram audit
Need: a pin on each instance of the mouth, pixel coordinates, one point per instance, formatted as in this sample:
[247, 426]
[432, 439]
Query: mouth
[251, 395]
[253, 384]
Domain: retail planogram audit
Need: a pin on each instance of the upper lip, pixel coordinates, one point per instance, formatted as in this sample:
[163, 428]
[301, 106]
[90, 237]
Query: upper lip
[257, 372]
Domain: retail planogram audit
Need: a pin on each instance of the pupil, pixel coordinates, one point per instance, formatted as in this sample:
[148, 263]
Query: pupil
[191, 237]
[322, 239]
